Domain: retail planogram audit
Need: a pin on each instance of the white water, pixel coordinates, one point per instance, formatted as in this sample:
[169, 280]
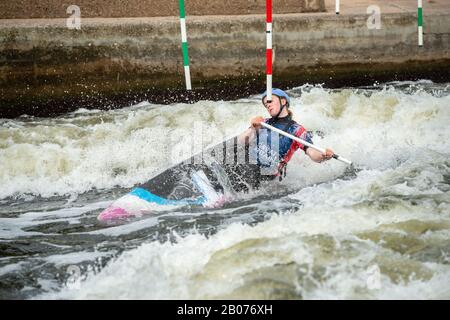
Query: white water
[100, 150]
[399, 138]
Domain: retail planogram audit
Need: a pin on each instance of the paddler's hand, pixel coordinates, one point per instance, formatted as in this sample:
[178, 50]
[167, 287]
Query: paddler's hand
[328, 154]
[256, 122]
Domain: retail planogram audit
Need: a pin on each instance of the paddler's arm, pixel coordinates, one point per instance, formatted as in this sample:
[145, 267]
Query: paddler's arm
[250, 133]
[247, 136]
[318, 156]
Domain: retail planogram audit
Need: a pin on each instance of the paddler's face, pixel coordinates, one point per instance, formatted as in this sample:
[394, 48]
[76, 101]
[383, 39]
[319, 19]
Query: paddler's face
[273, 107]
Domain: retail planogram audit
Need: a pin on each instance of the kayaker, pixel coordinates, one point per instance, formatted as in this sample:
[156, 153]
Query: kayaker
[272, 158]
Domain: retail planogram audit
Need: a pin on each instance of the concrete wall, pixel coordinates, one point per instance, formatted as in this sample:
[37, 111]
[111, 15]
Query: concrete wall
[26, 9]
[114, 62]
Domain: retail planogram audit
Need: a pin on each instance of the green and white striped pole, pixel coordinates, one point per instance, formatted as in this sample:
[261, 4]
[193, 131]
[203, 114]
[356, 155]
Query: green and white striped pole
[420, 22]
[184, 46]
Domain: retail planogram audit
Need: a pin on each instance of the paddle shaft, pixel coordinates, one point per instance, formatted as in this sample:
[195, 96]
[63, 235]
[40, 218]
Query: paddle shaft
[305, 143]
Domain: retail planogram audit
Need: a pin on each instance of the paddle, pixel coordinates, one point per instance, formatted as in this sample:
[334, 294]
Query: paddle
[306, 143]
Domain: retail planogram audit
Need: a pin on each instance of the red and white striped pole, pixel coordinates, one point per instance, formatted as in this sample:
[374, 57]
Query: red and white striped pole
[269, 48]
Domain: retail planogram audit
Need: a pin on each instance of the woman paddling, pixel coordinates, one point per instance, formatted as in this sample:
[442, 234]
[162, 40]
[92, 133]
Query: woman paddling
[272, 150]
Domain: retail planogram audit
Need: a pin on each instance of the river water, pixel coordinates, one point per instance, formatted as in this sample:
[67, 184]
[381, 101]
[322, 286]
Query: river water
[377, 230]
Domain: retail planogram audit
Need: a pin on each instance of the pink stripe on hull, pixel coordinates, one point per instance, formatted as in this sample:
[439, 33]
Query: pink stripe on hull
[113, 213]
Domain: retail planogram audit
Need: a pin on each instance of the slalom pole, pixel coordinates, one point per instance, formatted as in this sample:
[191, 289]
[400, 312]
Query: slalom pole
[269, 49]
[305, 143]
[337, 6]
[184, 46]
[420, 22]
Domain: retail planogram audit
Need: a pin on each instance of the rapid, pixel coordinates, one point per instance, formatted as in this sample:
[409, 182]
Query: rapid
[377, 230]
